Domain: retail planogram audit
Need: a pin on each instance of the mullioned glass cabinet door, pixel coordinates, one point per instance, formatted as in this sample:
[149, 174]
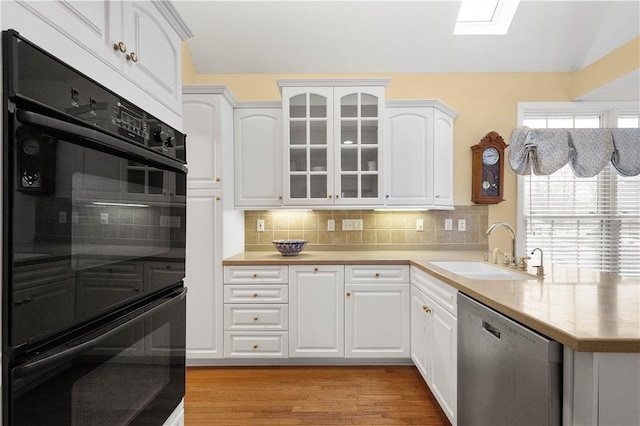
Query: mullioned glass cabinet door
[358, 137]
[308, 132]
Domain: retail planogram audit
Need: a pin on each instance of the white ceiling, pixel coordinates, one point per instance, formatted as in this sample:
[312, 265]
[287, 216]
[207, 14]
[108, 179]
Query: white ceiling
[301, 37]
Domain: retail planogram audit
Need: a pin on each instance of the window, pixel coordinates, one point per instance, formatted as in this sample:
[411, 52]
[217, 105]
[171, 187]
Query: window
[589, 222]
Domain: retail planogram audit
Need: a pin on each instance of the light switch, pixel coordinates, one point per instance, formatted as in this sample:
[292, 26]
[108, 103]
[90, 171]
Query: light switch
[448, 224]
[419, 225]
[260, 225]
[104, 218]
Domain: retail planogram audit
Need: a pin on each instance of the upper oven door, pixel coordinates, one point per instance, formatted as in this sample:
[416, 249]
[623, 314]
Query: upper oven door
[96, 222]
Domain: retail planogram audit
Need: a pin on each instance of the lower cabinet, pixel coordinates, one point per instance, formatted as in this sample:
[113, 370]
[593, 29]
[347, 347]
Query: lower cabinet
[256, 312]
[316, 314]
[434, 334]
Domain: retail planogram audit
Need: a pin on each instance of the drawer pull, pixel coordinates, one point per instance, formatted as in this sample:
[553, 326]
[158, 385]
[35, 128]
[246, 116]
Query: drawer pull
[255, 318]
[255, 346]
[377, 274]
[255, 294]
[255, 275]
[426, 309]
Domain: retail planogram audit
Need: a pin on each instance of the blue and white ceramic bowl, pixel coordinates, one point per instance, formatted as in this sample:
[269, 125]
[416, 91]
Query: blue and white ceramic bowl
[289, 247]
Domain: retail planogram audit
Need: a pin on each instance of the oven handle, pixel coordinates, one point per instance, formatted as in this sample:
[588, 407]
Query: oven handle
[68, 354]
[33, 118]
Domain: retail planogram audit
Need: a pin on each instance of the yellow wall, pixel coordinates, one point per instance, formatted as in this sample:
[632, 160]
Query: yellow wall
[484, 101]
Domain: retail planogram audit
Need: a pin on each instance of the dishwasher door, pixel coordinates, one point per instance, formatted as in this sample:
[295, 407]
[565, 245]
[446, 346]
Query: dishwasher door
[507, 374]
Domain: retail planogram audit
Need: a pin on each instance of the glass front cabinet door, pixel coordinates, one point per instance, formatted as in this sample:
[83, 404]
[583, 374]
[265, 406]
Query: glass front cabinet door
[333, 140]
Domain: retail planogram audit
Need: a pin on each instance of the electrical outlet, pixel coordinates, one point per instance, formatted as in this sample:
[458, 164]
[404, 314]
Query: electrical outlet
[260, 225]
[104, 218]
[62, 217]
[448, 224]
[352, 224]
[462, 225]
[419, 225]
[331, 225]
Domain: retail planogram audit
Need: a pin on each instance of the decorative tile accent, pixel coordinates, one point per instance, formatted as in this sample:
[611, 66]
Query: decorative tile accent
[382, 230]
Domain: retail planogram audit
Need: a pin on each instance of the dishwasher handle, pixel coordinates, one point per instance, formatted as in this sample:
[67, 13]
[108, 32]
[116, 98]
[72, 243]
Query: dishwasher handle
[491, 330]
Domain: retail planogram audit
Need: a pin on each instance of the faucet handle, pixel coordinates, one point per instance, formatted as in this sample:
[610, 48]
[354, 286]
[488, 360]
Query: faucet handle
[521, 263]
[507, 260]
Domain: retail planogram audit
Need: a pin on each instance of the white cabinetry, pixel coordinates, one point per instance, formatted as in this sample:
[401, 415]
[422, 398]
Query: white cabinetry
[419, 137]
[258, 155]
[434, 331]
[377, 311]
[316, 311]
[214, 229]
[256, 312]
[133, 48]
[333, 142]
[601, 388]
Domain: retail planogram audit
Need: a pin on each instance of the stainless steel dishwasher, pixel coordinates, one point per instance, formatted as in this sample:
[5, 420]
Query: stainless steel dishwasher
[507, 374]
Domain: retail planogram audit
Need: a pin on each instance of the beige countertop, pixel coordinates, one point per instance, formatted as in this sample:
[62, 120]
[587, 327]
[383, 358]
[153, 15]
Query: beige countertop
[586, 310]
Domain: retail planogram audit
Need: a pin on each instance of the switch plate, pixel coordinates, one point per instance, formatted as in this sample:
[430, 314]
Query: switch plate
[462, 225]
[331, 225]
[260, 225]
[352, 224]
[448, 224]
[419, 225]
[104, 218]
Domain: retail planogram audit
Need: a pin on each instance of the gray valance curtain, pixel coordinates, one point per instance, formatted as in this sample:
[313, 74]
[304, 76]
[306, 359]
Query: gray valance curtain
[544, 151]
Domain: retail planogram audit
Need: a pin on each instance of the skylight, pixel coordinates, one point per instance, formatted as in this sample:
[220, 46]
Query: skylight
[485, 16]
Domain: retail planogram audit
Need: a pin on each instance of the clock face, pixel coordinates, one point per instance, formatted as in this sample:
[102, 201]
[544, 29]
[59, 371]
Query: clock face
[490, 156]
[31, 147]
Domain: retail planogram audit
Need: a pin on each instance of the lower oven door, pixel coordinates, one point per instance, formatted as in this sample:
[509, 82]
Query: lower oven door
[131, 371]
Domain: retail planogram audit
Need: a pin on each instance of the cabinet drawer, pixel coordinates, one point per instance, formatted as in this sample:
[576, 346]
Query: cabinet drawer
[256, 294]
[368, 274]
[238, 344]
[439, 291]
[256, 317]
[256, 274]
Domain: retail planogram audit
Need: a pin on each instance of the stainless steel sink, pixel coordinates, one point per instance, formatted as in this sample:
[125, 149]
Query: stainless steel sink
[481, 270]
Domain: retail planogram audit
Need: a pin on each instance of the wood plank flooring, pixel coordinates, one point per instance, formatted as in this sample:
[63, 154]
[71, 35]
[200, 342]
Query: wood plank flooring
[387, 395]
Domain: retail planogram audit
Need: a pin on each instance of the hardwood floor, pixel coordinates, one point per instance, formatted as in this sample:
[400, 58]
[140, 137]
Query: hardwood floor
[309, 396]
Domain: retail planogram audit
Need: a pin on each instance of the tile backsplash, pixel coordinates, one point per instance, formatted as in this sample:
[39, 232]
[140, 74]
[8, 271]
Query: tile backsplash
[381, 230]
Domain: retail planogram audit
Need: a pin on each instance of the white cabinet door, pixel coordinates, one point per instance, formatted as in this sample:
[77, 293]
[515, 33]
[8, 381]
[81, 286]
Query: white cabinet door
[377, 321]
[316, 311]
[308, 145]
[202, 124]
[203, 276]
[358, 141]
[258, 159]
[153, 57]
[410, 170]
[420, 333]
[443, 160]
[444, 356]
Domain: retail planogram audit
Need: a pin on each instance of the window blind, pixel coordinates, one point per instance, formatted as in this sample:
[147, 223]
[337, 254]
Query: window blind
[590, 222]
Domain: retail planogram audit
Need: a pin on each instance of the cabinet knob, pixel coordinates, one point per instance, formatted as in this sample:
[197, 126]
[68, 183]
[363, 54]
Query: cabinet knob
[377, 274]
[255, 318]
[217, 179]
[255, 294]
[137, 290]
[120, 46]
[255, 275]
[132, 57]
[337, 196]
[168, 266]
[329, 196]
[348, 293]
[279, 197]
[217, 198]
[426, 309]
[315, 269]
[255, 346]
[437, 196]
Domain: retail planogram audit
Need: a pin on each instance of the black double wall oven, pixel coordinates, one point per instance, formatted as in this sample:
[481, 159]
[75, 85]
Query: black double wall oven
[94, 203]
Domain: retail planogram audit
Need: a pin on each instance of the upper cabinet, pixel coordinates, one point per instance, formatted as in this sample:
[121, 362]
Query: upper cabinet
[133, 48]
[419, 137]
[258, 155]
[333, 142]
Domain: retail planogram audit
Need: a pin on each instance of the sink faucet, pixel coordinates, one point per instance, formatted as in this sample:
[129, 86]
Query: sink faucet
[512, 233]
[539, 268]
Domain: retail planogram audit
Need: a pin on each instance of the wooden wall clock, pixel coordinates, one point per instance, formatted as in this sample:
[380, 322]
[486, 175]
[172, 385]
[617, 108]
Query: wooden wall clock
[487, 179]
